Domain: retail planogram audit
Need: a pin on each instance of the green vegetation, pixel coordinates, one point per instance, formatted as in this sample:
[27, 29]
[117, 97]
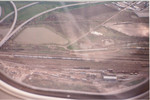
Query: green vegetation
[35, 9]
[21, 3]
[70, 47]
[6, 7]
[30, 11]
[81, 6]
[73, 47]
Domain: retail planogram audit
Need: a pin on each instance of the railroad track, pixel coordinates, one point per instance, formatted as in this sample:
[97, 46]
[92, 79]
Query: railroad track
[30, 19]
[11, 13]
[72, 58]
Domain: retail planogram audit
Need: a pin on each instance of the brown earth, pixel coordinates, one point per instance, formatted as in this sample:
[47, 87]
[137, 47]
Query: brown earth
[125, 55]
[39, 35]
[74, 23]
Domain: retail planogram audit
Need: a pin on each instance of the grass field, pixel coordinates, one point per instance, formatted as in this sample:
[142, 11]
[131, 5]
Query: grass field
[35, 9]
[21, 3]
[6, 7]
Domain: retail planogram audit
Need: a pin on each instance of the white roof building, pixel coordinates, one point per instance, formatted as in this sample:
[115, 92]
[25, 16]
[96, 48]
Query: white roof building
[96, 33]
[109, 77]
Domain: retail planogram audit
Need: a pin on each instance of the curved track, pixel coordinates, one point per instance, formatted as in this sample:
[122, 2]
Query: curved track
[28, 5]
[128, 94]
[44, 12]
[14, 22]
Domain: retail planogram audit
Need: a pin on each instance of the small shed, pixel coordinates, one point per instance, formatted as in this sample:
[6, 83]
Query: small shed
[109, 77]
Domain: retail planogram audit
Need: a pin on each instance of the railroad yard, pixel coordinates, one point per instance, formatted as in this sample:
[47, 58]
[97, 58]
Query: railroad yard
[94, 47]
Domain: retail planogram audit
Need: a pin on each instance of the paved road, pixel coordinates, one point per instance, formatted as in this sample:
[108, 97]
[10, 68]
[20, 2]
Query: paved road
[11, 13]
[30, 19]
[14, 22]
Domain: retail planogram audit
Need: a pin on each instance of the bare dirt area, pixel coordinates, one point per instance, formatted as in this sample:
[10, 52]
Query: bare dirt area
[39, 55]
[92, 11]
[131, 29]
[74, 23]
[77, 75]
[127, 64]
[129, 16]
[39, 35]
[68, 25]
